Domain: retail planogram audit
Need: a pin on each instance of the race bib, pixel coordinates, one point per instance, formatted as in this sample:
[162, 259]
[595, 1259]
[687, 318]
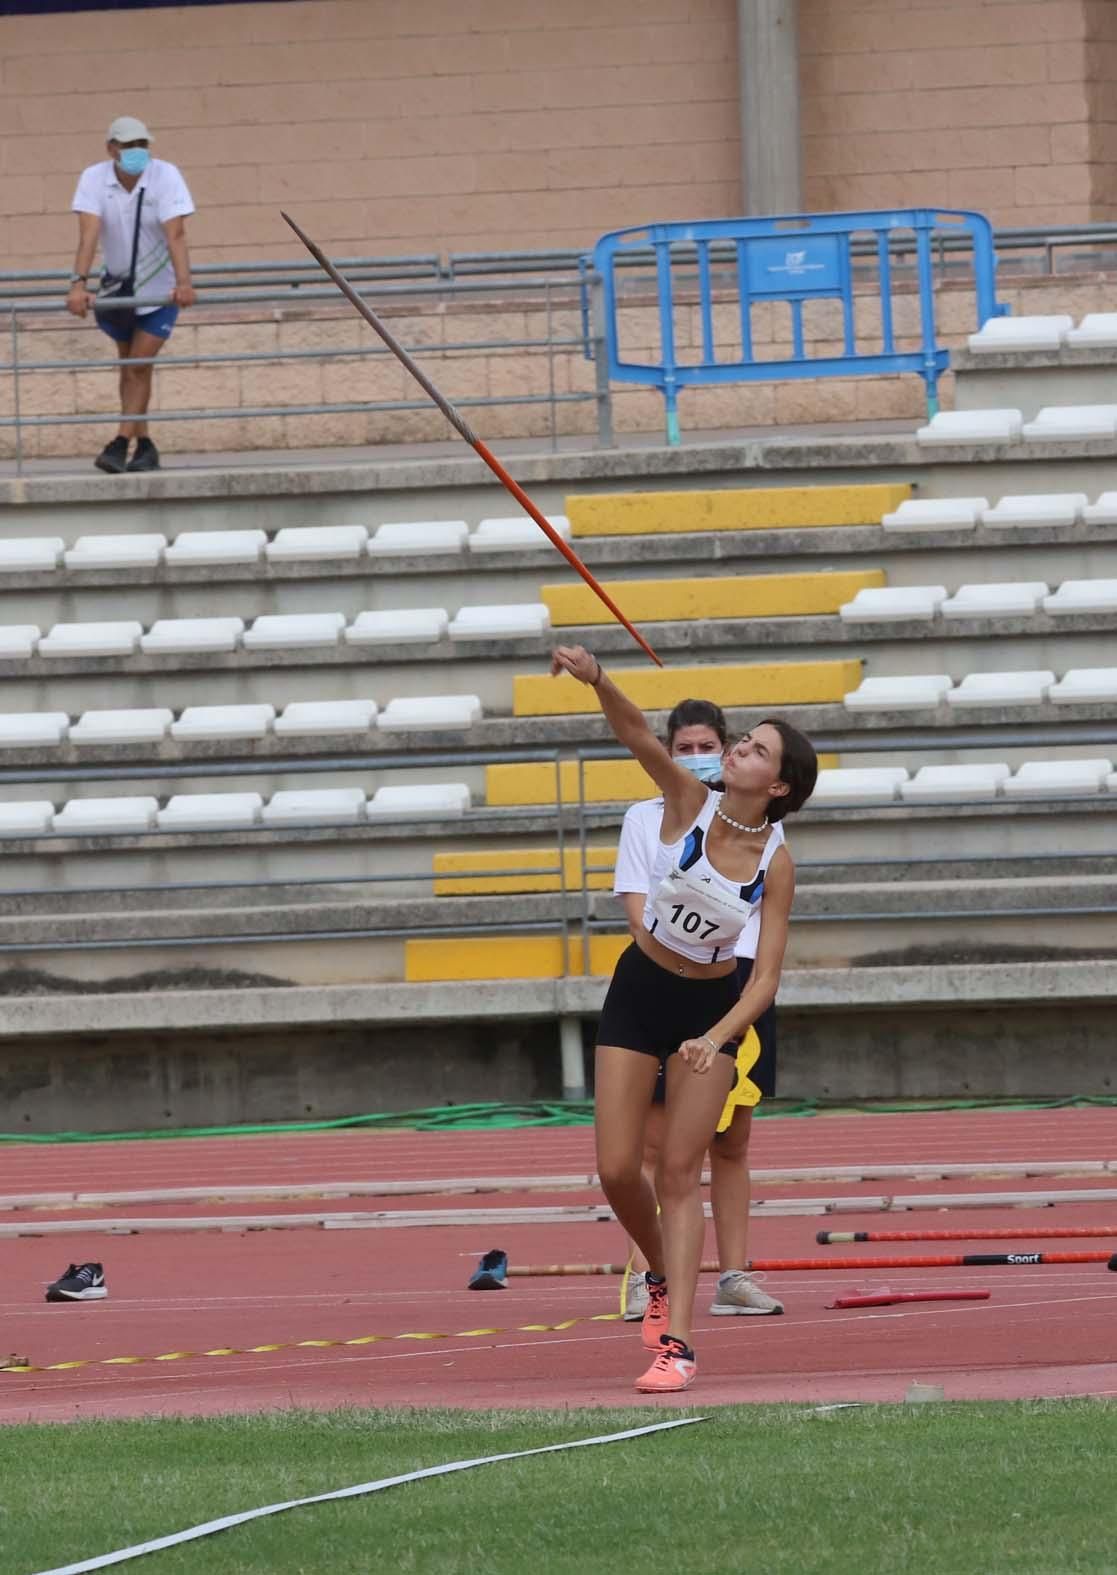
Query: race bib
[693, 910]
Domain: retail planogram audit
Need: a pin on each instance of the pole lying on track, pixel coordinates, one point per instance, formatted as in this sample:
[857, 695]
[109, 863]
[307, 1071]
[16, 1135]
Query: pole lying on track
[887, 1298]
[462, 427]
[828, 1238]
[953, 1260]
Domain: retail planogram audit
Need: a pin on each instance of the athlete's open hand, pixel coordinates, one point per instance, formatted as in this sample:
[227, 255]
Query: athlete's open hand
[577, 661]
[698, 1054]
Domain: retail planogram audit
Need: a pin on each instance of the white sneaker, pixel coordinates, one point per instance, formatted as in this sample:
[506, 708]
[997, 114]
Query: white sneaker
[738, 1293]
[635, 1296]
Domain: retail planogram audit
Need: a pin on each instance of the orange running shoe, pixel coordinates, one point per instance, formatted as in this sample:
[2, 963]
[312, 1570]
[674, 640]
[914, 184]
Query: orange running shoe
[654, 1323]
[673, 1369]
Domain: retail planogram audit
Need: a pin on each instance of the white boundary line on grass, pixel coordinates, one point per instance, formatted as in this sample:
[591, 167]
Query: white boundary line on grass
[121, 1555]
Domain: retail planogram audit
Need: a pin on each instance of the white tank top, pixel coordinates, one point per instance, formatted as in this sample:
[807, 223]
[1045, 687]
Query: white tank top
[692, 908]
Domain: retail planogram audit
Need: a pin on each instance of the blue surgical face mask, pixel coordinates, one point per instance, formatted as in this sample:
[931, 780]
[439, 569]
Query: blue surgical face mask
[133, 161]
[707, 768]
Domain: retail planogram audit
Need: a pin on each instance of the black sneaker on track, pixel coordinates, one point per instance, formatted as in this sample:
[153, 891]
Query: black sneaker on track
[113, 457]
[146, 456]
[82, 1282]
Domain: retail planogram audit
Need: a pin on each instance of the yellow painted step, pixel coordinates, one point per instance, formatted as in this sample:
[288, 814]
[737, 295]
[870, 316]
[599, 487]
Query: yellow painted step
[606, 782]
[658, 689]
[731, 508]
[734, 596]
[507, 957]
[477, 874]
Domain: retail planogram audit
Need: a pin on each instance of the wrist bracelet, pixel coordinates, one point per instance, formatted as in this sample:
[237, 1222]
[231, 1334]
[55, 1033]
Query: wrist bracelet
[715, 1048]
[597, 677]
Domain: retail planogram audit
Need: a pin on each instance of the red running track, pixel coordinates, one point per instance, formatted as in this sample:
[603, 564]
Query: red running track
[1045, 1331]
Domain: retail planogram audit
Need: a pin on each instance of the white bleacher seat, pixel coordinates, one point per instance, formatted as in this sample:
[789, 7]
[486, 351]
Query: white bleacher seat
[1060, 509]
[936, 514]
[121, 727]
[283, 631]
[512, 621]
[101, 817]
[223, 721]
[932, 784]
[319, 717]
[210, 812]
[1096, 331]
[418, 538]
[429, 712]
[317, 541]
[116, 552]
[201, 547]
[26, 817]
[30, 552]
[169, 635]
[894, 604]
[1104, 511]
[899, 694]
[1068, 423]
[398, 626]
[1008, 334]
[315, 807]
[1026, 688]
[91, 639]
[853, 785]
[972, 426]
[507, 535]
[18, 641]
[1082, 596]
[1057, 778]
[420, 801]
[38, 728]
[1008, 600]
[1085, 686]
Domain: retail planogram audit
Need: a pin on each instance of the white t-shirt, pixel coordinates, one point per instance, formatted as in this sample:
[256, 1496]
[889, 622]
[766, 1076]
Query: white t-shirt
[167, 197]
[636, 855]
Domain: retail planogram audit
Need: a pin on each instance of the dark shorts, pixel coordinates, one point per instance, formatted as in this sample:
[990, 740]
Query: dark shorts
[763, 1072]
[121, 326]
[653, 1011]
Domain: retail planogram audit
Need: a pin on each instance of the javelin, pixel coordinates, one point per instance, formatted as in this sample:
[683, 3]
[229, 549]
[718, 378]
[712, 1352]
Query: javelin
[826, 1238]
[982, 1260]
[461, 426]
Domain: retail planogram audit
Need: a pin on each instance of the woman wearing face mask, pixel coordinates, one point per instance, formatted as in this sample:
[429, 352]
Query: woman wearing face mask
[136, 207]
[674, 994]
[696, 738]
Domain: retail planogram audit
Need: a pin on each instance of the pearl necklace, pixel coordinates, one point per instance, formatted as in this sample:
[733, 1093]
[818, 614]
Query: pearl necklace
[736, 824]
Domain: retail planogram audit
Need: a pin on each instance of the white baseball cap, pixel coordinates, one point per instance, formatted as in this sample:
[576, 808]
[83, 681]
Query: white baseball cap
[126, 128]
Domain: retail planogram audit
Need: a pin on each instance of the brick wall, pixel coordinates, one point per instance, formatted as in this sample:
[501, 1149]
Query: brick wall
[981, 104]
[385, 127]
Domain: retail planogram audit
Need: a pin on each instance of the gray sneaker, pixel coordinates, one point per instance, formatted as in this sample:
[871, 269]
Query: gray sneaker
[738, 1293]
[635, 1296]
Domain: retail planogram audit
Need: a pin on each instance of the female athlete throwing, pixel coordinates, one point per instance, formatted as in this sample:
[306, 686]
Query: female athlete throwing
[674, 996]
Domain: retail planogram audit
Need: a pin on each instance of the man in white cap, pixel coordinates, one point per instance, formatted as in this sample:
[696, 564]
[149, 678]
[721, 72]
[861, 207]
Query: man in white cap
[137, 207]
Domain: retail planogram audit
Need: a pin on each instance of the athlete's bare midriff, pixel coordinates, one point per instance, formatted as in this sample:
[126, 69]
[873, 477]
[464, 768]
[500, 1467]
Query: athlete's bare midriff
[672, 962]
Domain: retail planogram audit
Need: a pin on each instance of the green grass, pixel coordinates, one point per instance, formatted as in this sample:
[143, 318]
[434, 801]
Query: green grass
[957, 1489]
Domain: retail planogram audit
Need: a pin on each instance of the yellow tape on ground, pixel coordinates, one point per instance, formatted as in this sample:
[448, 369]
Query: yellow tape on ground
[302, 1345]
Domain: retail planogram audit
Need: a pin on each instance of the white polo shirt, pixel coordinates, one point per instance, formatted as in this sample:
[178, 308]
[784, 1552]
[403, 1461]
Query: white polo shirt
[167, 197]
[636, 854]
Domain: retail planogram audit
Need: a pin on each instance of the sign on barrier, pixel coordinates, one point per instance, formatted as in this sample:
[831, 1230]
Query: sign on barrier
[799, 259]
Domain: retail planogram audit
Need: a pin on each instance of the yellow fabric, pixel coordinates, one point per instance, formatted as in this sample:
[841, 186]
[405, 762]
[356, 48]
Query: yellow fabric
[746, 1095]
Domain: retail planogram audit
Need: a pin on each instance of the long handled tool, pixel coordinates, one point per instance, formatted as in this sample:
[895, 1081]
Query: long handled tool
[460, 425]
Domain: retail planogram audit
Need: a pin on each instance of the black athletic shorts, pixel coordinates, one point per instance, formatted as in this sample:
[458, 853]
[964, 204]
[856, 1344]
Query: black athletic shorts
[763, 1072]
[653, 1011]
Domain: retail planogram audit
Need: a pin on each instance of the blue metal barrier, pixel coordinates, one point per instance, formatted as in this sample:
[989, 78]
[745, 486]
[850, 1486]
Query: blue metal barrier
[798, 259]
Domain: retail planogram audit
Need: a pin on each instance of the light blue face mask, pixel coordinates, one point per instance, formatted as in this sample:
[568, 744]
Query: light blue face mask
[133, 161]
[707, 768]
